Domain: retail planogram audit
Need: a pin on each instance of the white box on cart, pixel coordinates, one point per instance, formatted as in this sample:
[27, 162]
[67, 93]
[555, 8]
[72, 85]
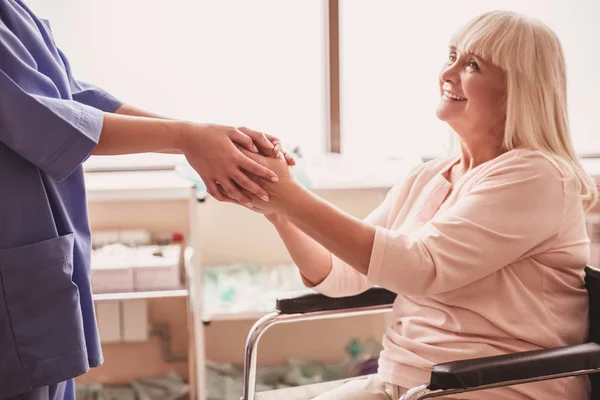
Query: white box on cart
[119, 269]
[112, 280]
[159, 272]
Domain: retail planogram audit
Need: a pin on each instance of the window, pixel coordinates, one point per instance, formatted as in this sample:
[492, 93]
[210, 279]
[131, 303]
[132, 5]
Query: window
[391, 53]
[259, 63]
[266, 64]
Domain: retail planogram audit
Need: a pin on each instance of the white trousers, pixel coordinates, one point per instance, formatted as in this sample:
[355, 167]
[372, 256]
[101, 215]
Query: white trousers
[363, 388]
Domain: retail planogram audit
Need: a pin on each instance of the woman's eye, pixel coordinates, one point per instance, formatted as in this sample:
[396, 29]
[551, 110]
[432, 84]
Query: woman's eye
[474, 65]
[452, 58]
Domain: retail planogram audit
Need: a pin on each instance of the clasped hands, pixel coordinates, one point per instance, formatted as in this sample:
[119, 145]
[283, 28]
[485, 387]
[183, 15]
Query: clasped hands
[251, 170]
[269, 200]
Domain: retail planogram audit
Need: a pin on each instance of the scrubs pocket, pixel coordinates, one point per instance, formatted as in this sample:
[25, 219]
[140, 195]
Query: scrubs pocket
[41, 299]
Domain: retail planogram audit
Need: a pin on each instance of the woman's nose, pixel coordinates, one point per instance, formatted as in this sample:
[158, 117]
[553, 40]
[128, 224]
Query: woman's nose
[449, 73]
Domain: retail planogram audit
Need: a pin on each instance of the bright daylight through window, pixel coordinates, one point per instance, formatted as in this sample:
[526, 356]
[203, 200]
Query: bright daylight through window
[264, 64]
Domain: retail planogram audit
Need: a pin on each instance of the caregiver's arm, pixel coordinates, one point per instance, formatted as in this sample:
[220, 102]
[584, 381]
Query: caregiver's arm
[124, 134]
[210, 149]
[268, 144]
[128, 109]
[132, 111]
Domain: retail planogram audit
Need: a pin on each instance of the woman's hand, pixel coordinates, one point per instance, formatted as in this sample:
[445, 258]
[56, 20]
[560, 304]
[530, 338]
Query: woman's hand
[258, 138]
[211, 150]
[276, 190]
[257, 206]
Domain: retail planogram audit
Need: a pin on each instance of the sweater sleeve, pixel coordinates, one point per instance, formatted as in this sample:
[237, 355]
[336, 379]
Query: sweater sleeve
[343, 280]
[515, 207]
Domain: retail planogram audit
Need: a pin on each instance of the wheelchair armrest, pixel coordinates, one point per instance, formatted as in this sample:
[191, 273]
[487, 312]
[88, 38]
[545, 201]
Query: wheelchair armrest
[314, 302]
[543, 364]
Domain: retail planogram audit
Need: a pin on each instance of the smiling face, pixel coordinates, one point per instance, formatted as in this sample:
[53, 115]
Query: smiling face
[473, 95]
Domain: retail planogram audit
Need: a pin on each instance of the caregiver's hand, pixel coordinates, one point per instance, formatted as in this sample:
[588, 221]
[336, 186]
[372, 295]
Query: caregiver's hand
[276, 190]
[262, 140]
[211, 150]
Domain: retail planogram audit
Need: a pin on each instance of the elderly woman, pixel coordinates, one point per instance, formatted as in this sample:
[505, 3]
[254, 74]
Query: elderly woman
[487, 249]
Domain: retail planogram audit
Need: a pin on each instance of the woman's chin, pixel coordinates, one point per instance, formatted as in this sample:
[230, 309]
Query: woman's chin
[442, 114]
[447, 112]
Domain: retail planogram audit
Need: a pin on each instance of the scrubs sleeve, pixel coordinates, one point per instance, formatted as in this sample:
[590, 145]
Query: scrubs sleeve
[88, 94]
[53, 133]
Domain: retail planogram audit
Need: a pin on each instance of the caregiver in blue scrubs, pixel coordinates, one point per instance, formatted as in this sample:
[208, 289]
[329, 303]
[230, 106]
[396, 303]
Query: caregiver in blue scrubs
[49, 124]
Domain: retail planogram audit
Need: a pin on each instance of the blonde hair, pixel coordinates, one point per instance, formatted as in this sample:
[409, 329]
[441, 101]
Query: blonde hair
[532, 58]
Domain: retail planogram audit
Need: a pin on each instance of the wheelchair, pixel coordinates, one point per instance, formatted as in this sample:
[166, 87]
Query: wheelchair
[447, 378]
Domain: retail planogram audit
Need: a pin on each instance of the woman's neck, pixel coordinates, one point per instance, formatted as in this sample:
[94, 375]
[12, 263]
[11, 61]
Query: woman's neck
[476, 154]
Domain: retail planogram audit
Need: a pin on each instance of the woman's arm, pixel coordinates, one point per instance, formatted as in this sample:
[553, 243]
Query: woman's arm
[318, 266]
[349, 238]
[312, 259]
[507, 215]
[516, 207]
[320, 269]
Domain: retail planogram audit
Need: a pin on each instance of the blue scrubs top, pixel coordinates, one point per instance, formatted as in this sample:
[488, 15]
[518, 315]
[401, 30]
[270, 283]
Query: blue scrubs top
[49, 124]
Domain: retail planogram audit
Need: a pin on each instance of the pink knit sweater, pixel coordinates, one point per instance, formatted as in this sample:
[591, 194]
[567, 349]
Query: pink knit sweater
[495, 267]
